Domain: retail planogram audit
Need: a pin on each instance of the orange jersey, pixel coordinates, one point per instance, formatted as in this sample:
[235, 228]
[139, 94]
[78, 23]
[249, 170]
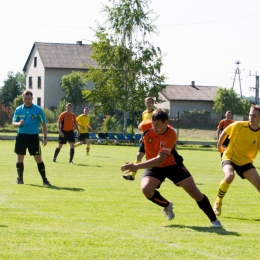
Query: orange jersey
[67, 120]
[145, 125]
[160, 143]
[224, 123]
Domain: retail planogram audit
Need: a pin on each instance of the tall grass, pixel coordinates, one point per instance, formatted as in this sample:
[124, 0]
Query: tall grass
[91, 212]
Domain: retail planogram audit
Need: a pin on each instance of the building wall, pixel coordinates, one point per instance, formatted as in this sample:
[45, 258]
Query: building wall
[52, 86]
[181, 105]
[35, 72]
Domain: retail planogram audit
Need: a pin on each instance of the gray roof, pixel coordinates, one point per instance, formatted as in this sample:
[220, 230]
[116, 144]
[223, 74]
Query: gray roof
[63, 55]
[188, 92]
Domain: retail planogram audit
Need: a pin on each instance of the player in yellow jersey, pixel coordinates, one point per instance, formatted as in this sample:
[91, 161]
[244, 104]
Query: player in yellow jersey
[83, 121]
[149, 103]
[239, 155]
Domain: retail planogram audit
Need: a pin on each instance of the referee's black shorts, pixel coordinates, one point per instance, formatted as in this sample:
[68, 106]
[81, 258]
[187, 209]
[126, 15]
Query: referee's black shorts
[26, 141]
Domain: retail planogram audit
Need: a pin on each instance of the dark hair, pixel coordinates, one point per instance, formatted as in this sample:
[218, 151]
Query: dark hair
[160, 114]
[27, 92]
[68, 105]
[86, 108]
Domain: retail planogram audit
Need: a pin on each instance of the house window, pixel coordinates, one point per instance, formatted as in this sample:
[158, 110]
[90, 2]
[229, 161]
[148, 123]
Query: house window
[30, 82]
[39, 82]
[35, 62]
[39, 101]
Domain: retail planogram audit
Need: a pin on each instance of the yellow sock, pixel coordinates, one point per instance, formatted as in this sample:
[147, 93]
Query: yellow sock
[134, 173]
[223, 187]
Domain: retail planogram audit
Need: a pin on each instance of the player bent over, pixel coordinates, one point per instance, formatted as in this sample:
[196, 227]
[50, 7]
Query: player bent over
[162, 161]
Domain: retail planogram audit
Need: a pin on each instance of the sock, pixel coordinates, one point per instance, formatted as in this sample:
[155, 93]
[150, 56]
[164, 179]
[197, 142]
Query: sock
[87, 150]
[76, 144]
[134, 173]
[71, 154]
[56, 152]
[205, 206]
[159, 200]
[223, 187]
[20, 168]
[41, 169]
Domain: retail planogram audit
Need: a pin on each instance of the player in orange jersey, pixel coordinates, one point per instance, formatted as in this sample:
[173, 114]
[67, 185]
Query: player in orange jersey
[66, 123]
[162, 162]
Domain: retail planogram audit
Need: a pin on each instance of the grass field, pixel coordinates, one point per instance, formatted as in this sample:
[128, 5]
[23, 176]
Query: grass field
[91, 212]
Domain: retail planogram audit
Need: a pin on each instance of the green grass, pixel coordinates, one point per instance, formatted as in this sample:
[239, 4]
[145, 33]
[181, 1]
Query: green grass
[91, 212]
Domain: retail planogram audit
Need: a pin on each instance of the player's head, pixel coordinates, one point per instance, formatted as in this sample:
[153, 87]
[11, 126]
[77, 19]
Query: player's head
[149, 103]
[86, 110]
[228, 114]
[254, 116]
[27, 97]
[160, 121]
[68, 107]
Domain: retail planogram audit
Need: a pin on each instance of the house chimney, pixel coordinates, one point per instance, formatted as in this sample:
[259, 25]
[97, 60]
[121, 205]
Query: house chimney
[193, 84]
[79, 42]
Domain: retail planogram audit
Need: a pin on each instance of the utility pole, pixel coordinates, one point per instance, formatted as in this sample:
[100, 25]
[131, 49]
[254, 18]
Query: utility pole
[237, 72]
[256, 88]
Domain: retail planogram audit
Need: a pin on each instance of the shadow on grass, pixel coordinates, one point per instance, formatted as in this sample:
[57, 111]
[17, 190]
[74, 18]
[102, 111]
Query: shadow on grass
[57, 188]
[249, 219]
[3, 226]
[79, 164]
[219, 231]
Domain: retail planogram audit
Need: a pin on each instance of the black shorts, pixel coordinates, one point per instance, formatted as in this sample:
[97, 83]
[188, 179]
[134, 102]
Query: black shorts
[24, 141]
[176, 173]
[239, 169]
[68, 136]
[83, 136]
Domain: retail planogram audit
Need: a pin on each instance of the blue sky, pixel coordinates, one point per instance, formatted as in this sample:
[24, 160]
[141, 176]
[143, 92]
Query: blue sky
[201, 40]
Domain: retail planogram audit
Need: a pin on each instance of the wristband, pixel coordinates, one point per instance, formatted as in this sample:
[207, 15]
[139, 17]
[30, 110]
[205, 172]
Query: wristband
[45, 137]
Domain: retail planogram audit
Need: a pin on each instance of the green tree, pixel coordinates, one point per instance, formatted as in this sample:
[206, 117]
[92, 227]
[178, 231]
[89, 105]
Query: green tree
[129, 67]
[13, 86]
[17, 102]
[72, 85]
[228, 99]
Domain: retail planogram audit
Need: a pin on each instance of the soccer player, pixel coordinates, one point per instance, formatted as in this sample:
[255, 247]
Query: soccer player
[66, 123]
[83, 121]
[27, 118]
[162, 161]
[239, 155]
[222, 125]
[146, 115]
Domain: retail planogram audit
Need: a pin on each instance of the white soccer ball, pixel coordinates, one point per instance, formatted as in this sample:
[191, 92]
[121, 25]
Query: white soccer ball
[116, 142]
[99, 141]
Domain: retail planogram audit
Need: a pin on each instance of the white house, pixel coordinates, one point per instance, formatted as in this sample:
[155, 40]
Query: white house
[48, 62]
[178, 98]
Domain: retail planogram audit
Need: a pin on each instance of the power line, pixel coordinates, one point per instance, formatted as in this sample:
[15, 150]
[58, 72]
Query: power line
[213, 21]
[167, 25]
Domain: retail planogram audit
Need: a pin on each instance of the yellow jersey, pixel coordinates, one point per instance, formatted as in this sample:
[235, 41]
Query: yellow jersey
[244, 143]
[83, 120]
[146, 115]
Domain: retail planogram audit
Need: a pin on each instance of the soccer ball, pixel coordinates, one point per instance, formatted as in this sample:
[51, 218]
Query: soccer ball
[116, 142]
[99, 141]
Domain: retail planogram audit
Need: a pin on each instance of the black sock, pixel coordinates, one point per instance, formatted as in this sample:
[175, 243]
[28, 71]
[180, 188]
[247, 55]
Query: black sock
[159, 200]
[71, 154]
[41, 169]
[205, 206]
[56, 153]
[20, 168]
